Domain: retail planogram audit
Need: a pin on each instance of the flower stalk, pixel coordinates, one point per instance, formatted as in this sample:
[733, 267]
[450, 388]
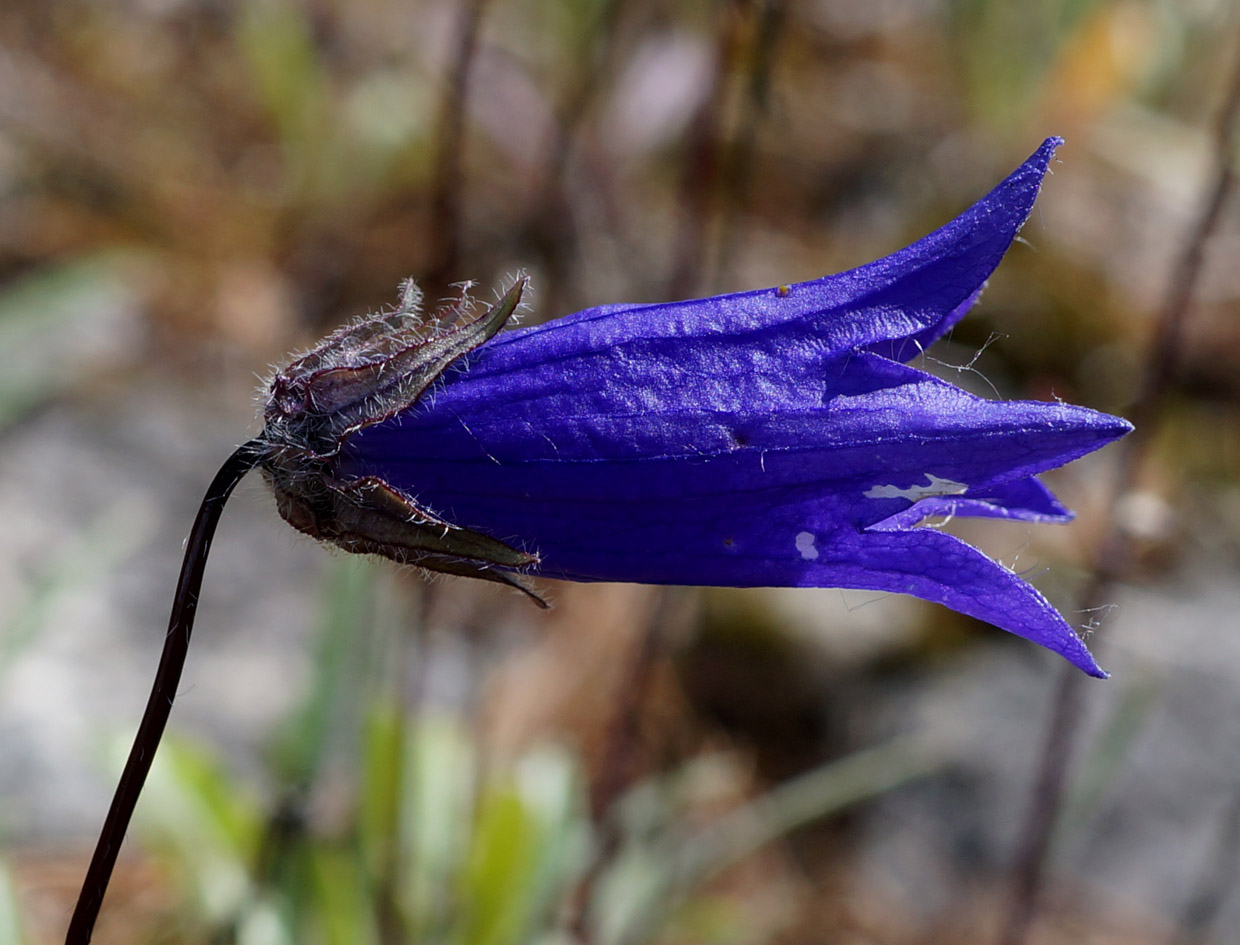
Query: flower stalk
[163, 691]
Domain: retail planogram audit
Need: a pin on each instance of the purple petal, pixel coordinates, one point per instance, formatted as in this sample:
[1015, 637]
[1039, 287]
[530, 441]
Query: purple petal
[897, 305]
[958, 258]
[754, 439]
[936, 566]
[784, 536]
[678, 491]
[864, 429]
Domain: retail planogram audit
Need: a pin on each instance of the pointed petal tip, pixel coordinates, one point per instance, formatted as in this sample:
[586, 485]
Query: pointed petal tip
[1083, 660]
[1073, 649]
[1050, 146]
[967, 249]
[1064, 641]
[1039, 162]
[1025, 182]
[1096, 427]
[1109, 427]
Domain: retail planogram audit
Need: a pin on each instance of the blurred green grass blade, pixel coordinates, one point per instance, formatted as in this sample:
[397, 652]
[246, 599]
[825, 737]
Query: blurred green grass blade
[523, 850]
[800, 801]
[1109, 754]
[261, 924]
[59, 323]
[279, 48]
[672, 872]
[277, 43]
[342, 909]
[207, 823]
[80, 561]
[330, 702]
[10, 919]
[437, 819]
[381, 801]
[496, 883]
[717, 919]
[1007, 51]
[388, 118]
[549, 784]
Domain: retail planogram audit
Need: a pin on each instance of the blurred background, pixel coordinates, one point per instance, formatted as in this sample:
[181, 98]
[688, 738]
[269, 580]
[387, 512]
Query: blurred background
[189, 189]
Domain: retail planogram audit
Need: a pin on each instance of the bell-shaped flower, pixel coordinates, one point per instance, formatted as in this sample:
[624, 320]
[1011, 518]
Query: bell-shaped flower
[767, 438]
[764, 438]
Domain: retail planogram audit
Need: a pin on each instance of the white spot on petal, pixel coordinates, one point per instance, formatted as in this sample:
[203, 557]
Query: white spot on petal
[936, 486]
[805, 545]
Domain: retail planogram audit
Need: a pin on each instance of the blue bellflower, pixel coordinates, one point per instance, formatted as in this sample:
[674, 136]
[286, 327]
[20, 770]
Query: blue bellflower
[764, 438]
[768, 438]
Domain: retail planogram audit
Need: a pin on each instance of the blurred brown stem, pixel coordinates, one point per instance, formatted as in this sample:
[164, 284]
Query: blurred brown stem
[551, 223]
[618, 760]
[702, 170]
[410, 687]
[1215, 881]
[1113, 557]
[446, 197]
[738, 175]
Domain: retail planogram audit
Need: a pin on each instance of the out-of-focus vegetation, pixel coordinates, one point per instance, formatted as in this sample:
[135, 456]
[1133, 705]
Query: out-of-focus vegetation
[428, 843]
[191, 188]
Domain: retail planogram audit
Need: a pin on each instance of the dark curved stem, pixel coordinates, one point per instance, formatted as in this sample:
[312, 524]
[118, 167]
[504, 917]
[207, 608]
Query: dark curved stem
[159, 705]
